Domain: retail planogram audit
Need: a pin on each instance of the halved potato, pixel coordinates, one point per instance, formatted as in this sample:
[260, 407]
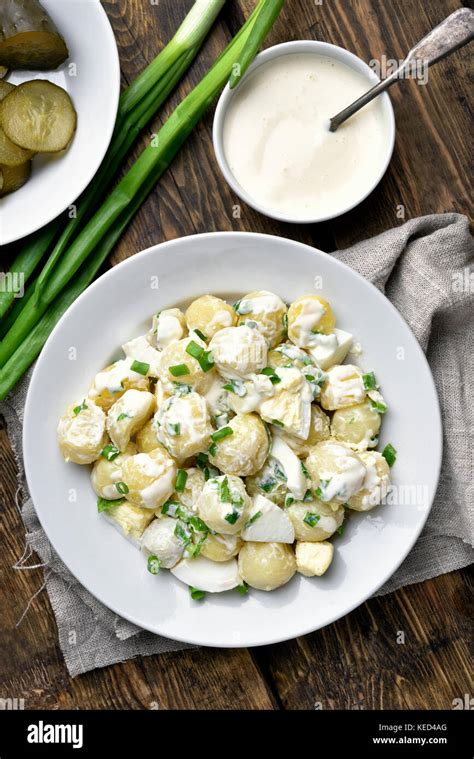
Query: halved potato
[14, 177]
[38, 116]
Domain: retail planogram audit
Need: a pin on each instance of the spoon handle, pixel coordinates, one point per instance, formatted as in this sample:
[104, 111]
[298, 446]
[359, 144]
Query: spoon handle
[454, 32]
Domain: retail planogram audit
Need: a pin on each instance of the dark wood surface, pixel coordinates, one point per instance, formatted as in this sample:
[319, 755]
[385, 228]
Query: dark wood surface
[358, 662]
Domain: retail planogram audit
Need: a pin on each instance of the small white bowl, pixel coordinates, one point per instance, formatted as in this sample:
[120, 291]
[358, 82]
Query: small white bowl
[315, 48]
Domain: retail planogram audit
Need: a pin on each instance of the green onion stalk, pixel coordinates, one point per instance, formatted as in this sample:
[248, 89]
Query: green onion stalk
[123, 202]
[137, 106]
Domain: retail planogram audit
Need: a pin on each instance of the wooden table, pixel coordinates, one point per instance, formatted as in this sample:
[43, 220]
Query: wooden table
[357, 662]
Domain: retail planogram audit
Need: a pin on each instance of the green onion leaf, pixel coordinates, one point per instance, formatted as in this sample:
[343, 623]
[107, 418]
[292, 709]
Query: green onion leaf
[153, 564]
[77, 409]
[122, 488]
[232, 517]
[340, 530]
[304, 469]
[289, 500]
[140, 367]
[242, 589]
[174, 429]
[194, 349]
[104, 505]
[179, 370]
[206, 361]
[181, 479]
[110, 452]
[311, 518]
[377, 406]
[222, 433]
[271, 374]
[278, 422]
[224, 491]
[201, 335]
[390, 454]
[196, 594]
[370, 383]
[121, 417]
[253, 518]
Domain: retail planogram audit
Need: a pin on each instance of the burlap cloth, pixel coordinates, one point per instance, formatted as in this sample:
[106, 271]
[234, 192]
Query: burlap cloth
[423, 267]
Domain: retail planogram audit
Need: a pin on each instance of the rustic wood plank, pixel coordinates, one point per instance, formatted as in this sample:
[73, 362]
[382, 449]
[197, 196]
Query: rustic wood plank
[408, 650]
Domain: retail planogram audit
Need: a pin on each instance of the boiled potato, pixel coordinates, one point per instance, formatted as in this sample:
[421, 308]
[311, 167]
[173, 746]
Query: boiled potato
[148, 478]
[376, 482]
[221, 547]
[183, 426]
[110, 384]
[217, 400]
[307, 316]
[266, 566]
[244, 451]
[319, 430]
[106, 472]
[288, 354]
[343, 387]
[357, 426]
[193, 488]
[314, 520]
[146, 439]
[209, 315]
[313, 559]
[223, 504]
[336, 471]
[269, 481]
[245, 396]
[178, 367]
[290, 405]
[266, 312]
[81, 432]
[128, 415]
[160, 540]
[239, 352]
[168, 327]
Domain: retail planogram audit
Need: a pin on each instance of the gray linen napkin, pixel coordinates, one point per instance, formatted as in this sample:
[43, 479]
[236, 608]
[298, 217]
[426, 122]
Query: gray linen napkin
[423, 267]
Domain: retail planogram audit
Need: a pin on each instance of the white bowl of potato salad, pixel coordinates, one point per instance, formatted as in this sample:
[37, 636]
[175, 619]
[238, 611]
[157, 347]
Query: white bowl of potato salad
[256, 421]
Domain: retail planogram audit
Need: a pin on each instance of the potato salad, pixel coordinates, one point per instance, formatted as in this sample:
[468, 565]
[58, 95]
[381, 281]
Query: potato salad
[231, 442]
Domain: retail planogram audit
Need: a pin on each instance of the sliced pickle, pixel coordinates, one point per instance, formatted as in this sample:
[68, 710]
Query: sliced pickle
[28, 37]
[14, 177]
[11, 154]
[38, 116]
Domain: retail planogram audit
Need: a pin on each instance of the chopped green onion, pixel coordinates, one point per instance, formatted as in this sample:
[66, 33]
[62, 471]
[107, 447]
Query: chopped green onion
[110, 452]
[201, 335]
[278, 422]
[196, 594]
[181, 479]
[179, 370]
[182, 533]
[121, 417]
[235, 306]
[194, 349]
[222, 433]
[340, 530]
[140, 367]
[103, 504]
[271, 374]
[181, 388]
[153, 564]
[122, 488]
[289, 500]
[377, 406]
[77, 409]
[197, 524]
[370, 383]
[235, 386]
[224, 491]
[206, 361]
[390, 454]
[311, 518]
[174, 429]
[170, 508]
[304, 469]
[232, 517]
[242, 589]
[213, 449]
[253, 518]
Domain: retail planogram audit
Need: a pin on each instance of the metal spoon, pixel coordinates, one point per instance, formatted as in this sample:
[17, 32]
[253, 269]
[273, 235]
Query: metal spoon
[454, 32]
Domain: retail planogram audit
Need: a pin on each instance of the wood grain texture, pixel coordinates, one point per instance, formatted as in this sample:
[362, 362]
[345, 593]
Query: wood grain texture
[357, 662]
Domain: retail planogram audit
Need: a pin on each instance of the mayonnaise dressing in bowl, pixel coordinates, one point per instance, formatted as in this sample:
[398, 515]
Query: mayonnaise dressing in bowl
[272, 136]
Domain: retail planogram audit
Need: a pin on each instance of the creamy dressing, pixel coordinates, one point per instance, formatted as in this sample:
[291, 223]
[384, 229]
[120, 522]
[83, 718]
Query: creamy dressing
[345, 386]
[305, 324]
[277, 141]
